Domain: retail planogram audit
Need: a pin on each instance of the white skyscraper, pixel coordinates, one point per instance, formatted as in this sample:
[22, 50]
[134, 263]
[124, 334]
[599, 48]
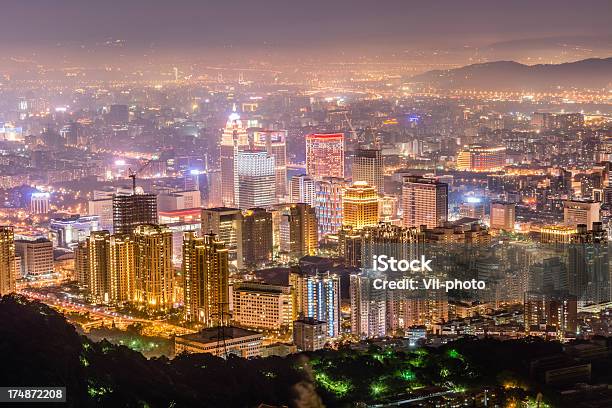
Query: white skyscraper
[256, 179]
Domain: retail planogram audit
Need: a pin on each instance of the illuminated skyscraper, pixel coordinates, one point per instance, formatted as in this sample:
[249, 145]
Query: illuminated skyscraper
[325, 155]
[274, 142]
[256, 177]
[318, 297]
[226, 223]
[7, 260]
[257, 236]
[81, 263]
[154, 276]
[368, 167]
[424, 202]
[132, 210]
[206, 280]
[328, 207]
[233, 139]
[360, 205]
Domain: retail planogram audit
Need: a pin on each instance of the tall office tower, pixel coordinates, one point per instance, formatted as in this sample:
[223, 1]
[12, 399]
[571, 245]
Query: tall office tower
[206, 280]
[8, 270]
[309, 334]
[480, 158]
[581, 212]
[130, 211]
[226, 223]
[328, 207]
[214, 188]
[368, 308]
[360, 206]
[154, 276]
[36, 256]
[503, 215]
[424, 202]
[233, 139]
[257, 240]
[318, 296]
[298, 231]
[325, 155]
[81, 264]
[274, 142]
[256, 186]
[39, 203]
[302, 190]
[98, 281]
[262, 306]
[122, 265]
[557, 309]
[368, 166]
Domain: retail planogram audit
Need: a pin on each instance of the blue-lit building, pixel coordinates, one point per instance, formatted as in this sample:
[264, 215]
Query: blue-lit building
[318, 297]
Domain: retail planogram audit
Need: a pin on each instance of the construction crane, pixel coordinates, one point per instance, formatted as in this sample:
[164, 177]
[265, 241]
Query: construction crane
[348, 121]
[132, 174]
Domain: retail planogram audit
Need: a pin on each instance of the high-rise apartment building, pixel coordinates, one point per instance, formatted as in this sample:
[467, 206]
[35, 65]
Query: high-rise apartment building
[226, 223]
[368, 166]
[424, 202]
[130, 211]
[309, 334]
[154, 276]
[328, 206]
[257, 239]
[7, 260]
[318, 296]
[298, 231]
[256, 176]
[368, 308]
[325, 155]
[98, 278]
[360, 205]
[36, 256]
[122, 273]
[206, 280]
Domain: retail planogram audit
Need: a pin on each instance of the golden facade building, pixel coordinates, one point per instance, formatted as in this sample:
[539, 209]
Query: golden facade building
[481, 158]
[81, 263]
[7, 260]
[122, 268]
[502, 216]
[557, 234]
[154, 276]
[206, 280]
[98, 278]
[360, 205]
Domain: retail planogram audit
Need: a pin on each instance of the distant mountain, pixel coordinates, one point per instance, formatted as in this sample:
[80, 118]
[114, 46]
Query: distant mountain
[510, 75]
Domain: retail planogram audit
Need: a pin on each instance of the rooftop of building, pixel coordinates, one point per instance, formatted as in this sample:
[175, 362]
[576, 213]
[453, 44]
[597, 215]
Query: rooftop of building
[213, 334]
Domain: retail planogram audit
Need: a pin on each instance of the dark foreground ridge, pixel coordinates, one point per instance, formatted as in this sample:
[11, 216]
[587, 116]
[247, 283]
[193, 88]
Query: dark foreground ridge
[40, 348]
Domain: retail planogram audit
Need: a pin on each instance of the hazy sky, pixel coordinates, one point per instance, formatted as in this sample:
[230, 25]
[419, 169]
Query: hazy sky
[308, 23]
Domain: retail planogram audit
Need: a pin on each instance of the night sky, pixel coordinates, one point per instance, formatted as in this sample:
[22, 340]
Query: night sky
[307, 23]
